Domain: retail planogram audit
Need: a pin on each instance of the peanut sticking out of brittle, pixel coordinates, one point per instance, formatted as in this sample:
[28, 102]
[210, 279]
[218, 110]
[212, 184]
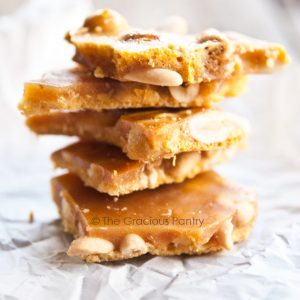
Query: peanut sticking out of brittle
[106, 21]
[212, 35]
[140, 37]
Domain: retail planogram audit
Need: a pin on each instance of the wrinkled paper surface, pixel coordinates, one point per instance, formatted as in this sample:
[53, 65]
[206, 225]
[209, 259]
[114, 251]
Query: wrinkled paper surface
[33, 263]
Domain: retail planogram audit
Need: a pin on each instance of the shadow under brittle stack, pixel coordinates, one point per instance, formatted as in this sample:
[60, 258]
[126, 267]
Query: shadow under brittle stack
[141, 102]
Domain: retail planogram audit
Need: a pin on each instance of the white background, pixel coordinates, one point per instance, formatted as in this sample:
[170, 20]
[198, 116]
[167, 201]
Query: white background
[33, 264]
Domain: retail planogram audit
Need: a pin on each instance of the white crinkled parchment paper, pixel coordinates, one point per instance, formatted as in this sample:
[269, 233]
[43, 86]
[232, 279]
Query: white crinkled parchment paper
[33, 263]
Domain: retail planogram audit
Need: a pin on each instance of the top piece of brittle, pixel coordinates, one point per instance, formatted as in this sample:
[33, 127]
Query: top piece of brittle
[108, 46]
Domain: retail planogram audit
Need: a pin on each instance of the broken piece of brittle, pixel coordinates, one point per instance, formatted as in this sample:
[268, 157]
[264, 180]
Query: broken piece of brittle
[200, 215]
[107, 169]
[148, 135]
[109, 47]
[76, 88]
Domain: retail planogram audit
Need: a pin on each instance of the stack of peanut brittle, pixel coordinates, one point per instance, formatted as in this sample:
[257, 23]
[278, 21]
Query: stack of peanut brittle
[142, 104]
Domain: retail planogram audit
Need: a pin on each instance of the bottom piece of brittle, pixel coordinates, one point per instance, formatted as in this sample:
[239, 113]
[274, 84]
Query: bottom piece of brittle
[200, 215]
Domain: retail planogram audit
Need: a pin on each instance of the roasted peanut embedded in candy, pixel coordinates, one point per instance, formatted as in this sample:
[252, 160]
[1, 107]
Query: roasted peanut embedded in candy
[216, 127]
[107, 22]
[185, 94]
[224, 235]
[244, 214]
[135, 37]
[89, 245]
[212, 35]
[157, 76]
[133, 243]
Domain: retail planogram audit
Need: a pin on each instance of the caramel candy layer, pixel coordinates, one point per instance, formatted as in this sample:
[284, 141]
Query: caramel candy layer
[148, 135]
[107, 169]
[200, 215]
[166, 59]
[77, 88]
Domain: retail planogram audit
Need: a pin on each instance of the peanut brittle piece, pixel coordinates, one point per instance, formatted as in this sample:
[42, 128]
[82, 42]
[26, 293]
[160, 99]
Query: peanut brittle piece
[200, 215]
[110, 48]
[75, 89]
[148, 135]
[107, 169]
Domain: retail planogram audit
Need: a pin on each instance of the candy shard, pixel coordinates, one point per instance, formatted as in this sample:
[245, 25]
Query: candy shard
[149, 135]
[207, 56]
[194, 217]
[107, 169]
[76, 89]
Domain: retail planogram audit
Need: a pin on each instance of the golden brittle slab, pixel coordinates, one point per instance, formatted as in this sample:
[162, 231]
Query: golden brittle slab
[110, 48]
[76, 88]
[107, 169]
[149, 135]
[200, 215]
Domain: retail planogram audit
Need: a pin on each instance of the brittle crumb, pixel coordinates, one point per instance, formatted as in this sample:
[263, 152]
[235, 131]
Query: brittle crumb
[31, 217]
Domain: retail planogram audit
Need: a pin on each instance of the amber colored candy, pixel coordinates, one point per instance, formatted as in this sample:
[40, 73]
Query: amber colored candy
[77, 88]
[107, 169]
[130, 54]
[200, 215]
[148, 135]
